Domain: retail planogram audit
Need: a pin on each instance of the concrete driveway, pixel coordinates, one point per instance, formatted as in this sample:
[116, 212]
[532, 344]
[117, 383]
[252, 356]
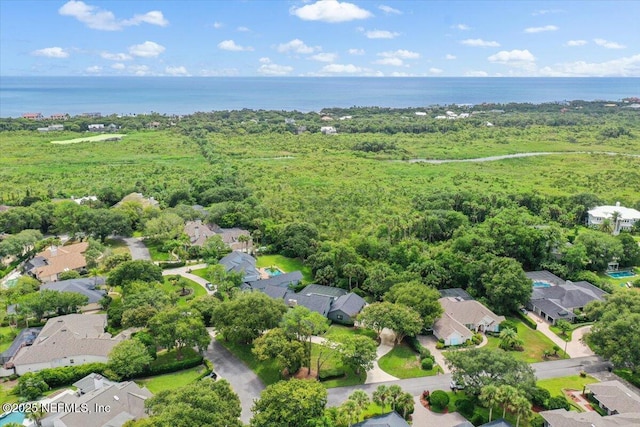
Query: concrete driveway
[243, 380]
[137, 248]
[185, 272]
[575, 347]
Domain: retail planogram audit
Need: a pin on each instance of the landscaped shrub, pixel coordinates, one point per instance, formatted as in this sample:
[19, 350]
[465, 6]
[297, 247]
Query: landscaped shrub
[478, 419]
[55, 377]
[439, 399]
[508, 324]
[558, 402]
[540, 397]
[477, 338]
[417, 347]
[527, 320]
[31, 387]
[465, 407]
[174, 366]
[537, 421]
[440, 345]
[331, 374]
[427, 363]
[172, 264]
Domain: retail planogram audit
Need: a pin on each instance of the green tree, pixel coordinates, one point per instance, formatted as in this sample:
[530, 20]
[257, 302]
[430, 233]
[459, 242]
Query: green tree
[405, 405]
[564, 326]
[602, 248]
[506, 395]
[289, 403]
[521, 407]
[489, 397]
[381, 397]
[213, 249]
[357, 351]
[167, 226]
[509, 339]
[128, 358]
[177, 329]
[506, 286]
[37, 414]
[301, 324]
[132, 271]
[423, 299]
[275, 344]
[439, 399]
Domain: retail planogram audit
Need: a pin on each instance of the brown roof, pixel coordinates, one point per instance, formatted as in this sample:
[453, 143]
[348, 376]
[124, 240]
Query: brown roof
[62, 258]
[447, 325]
[198, 232]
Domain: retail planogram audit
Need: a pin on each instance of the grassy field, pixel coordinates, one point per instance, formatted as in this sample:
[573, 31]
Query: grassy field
[534, 343]
[117, 246]
[402, 362]
[267, 370]
[336, 331]
[95, 138]
[573, 382]
[285, 264]
[155, 250]
[171, 381]
[197, 290]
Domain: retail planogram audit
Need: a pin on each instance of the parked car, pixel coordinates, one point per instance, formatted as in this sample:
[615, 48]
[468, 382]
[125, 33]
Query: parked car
[523, 311]
[209, 286]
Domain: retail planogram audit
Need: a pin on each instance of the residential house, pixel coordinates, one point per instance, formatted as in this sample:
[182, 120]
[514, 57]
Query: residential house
[111, 404]
[241, 262]
[231, 237]
[284, 280]
[85, 286]
[198, 232]
[48, 264]
[345, 308]
[146, 202]
[328, 130]
[334, 303]
[614, 397]
[92, 382]
[84, 199]
[462, 318]
[391, 419]
[96, 127]
[455, 293]
[32, 116]
[59, 116]
[51, 128]
[314, 302]
[626, 217]
[91, 115]
[554, 299]
[564, 418]
[70, 340]
[26, 337]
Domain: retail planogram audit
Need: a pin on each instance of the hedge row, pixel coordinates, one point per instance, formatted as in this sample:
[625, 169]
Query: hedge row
[417, 347]
[171, 264]
[166, 368]
[527, 320]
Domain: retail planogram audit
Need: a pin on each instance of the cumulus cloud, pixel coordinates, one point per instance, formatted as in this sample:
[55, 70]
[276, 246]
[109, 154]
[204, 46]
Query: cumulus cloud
[512, 57]
[264, 60]
[116, 56]
[330, 11]
[621, 67]
[480, 43]
[356, 51]
[607, 44]
[532, 30]
[324, 57]
[574, 43]
[118, 66]
[394, 62]
[381, 34]
[400, 53]
[139, 70]
[450, 57]
[51, 52]
[146, 50]
[296, 46]
[434, 70]
[476, 73]
[243, 29]
[546, 11]
[217, 25]
[461, 27]
[389, 10]
[93, 69]
[341, 69]
[100, 19]
[230, 45]
[274, 70]
[176, 71]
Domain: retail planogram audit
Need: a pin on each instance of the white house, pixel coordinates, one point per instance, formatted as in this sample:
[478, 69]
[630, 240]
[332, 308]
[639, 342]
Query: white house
[626, 217]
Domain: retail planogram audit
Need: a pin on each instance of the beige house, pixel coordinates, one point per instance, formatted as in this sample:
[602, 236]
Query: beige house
[462, 318]
[48, 264]
[198, 232]
[70, 340]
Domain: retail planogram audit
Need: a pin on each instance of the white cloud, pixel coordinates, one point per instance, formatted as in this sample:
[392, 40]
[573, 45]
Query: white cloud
[146, 50]
[176, 71]
[476, 73]
[400, 74]
[296, 46]
[434, 70]
[224, 72]
[381, 34]
[573, 43]
[116, 56]
[480, 43]
[395, 62]
[264, 60]
[51, 52]
[512, 57]
[139, 70]
[330, 11]
[400, 53]
[533, 30]
[230, 45]
[217, 25]
[450, 57]
[100, 19]
[274, 70]
[461, 27]
[324, 57]
[93, 69]
[341, 68]
[546, 11]
[389, 10]
[118, 66]
[622, 67]
[243, 29]
[356, 51]
[607, 44]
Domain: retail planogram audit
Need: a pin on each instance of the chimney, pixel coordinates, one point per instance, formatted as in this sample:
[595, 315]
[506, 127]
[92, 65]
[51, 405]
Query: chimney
[54, 250]
[98, 381]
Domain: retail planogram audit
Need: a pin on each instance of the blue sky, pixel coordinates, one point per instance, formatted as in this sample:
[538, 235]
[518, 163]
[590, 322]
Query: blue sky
[320, 38]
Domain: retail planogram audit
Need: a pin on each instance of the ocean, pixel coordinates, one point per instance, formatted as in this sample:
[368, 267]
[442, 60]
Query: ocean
[167, 95]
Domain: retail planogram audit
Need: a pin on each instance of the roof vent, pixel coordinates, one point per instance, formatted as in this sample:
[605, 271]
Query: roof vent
[116, 398]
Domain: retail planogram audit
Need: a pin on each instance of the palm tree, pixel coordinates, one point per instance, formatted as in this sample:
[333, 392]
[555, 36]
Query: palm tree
[506, 395]
[36, 415]
[509, 339]
[606, 226]
[615, 218]
[380, 396]
[350, 412]
[404, 401]
[394, 394]
[521, 407]
[361, 398]
[489, 397]
[244, 239]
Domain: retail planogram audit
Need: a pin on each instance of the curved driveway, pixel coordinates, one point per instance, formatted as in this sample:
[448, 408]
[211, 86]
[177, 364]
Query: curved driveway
[184, 272]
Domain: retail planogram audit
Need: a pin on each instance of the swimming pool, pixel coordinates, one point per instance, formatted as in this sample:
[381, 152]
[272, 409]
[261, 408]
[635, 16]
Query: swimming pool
[12, 417]
[541, 284]
[273, 271]
[621, 274]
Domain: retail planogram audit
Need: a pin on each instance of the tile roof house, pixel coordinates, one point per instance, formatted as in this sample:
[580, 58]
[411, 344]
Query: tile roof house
[111, 404]
[554, 299]
[198, 232]
[68, 340]
[462, 318]
[46, 265]
[85, 286]
[241, 262]
[614, 397]
[391, 419]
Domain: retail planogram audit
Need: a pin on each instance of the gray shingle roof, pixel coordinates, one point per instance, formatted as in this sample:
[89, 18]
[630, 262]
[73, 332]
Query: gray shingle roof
[455, 293]
[350, 304]
[392, 419]
[274, 292]
[241, 262]
[85, 286]
[501, 422]
[564, 418]
[616, 396]
[328, 291]
[88, 383]
[282, 280]
[314, 302]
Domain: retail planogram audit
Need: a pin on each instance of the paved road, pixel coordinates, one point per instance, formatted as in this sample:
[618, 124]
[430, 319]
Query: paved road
[137, 248]
[243, 380]
[415, 386]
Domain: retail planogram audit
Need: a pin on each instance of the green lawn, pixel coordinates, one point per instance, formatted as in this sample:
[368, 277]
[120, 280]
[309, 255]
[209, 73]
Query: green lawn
[195, 287]
[165, 356]
[334, 363]
[267, 370]
[155, 250]
[117, 246]
[200, 272]
[534, 343]
[573, 382]
[574, 326]
[402, 362]
[285, 264]
[6, 336]
[171, 381]
[336, 331]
